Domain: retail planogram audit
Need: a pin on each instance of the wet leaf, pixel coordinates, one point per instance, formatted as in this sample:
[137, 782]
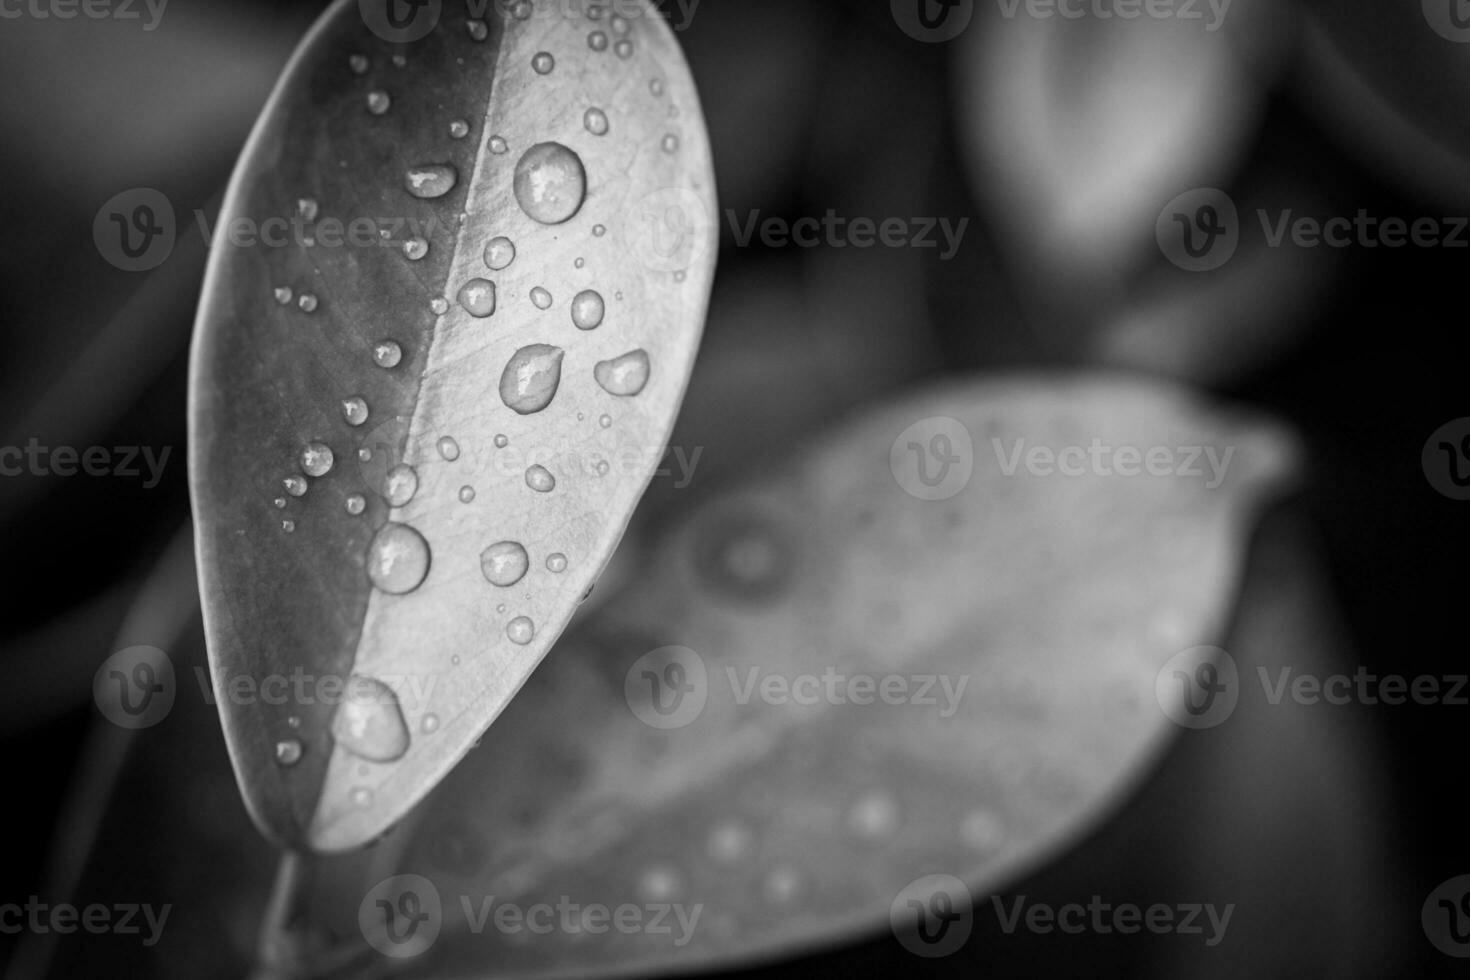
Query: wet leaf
[456, 290]
[1024, 620]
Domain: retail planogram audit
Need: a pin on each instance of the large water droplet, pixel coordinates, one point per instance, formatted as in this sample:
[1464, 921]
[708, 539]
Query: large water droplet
[317, 459]
[504, 563]
[369, 723]
[478, 297]
[448, 448]
[623, 376]
[520, 630]
[378, 102]
[596, 121]
[430, 180]
[500, 252]
[387, 354]
[401, 483]
[288, 752]
[398, 559]
[588, 309]
[539, 478]
[541, 297]
[543, 63]
[550, 183]
[355, 410]
[531, 378]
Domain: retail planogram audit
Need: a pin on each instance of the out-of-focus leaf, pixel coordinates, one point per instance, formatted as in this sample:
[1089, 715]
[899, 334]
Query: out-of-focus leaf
[519, 304]
[1056, 600]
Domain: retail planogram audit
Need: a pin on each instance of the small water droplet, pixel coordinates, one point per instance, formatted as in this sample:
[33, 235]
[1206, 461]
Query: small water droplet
[543, 63]
[597, 41]
[539, 478]
[782, 886]
[623, 376]
[399, 61]
[448, 448]
[596, 122]
[730, 842]
[280, 503]
[307, 303]
[599, 230]
[504, 563]
[361, 797]
[520, 630]
[430, 180]
[556, 562]
[307, 209]
[429, 724]
[387, 354]
[466, 495]
[378, 102]
[283, 294]
[541, 298]
[458, 129]
[619, 24]
[588, 309]
[982, 830]
[358, 63]
[439, 306]
[498, 145]
[288, 526]
[656, 86]
[317, 459]
[398, 559]
[522, 10]
[875, 817]
[400, 485]
[579, 263]
[354, 410]
[356, 504]
[288, 752]
[478, 30]
[478, 298]
[550, 183]
[531, 378]
[415, 248]
[670, 143]
[501, 442]
[500, 252]
[500, 609]
[364, 454]
[660, 883]
[605, 421]
[602, 467]
[294, 723]
[624, 49]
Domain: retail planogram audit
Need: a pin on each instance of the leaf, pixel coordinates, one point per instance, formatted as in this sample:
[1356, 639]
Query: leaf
[378, 415]
[1056, 600]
